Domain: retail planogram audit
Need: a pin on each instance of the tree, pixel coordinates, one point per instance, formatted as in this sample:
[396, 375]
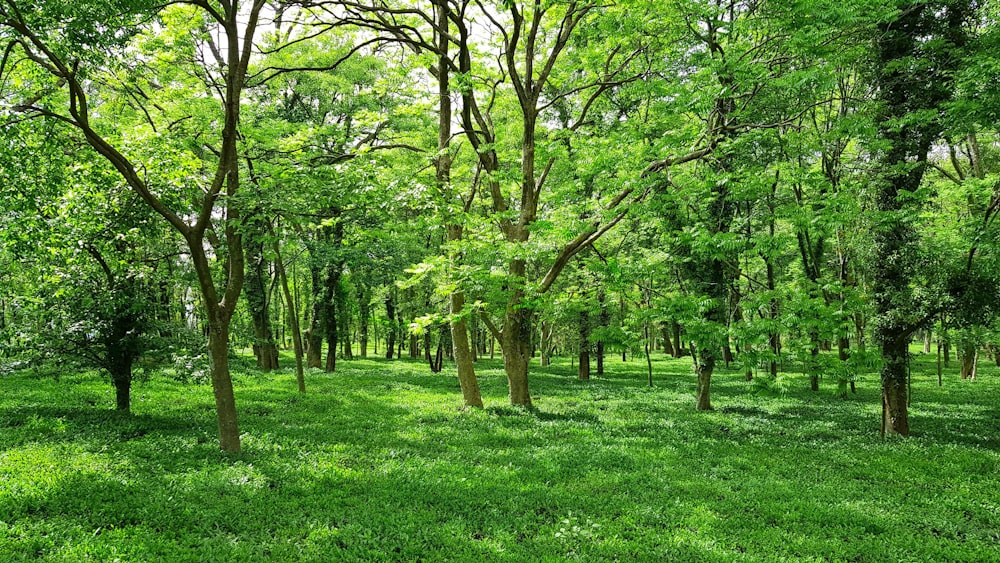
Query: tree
[78, 43]
[918, 50]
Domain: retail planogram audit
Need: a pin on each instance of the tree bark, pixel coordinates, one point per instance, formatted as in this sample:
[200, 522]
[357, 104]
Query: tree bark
[704, 366]
[969, 360]
[583, 371]
[264, 347]
[121, 377]
[293, 316]
[222, 383]
[516, 340]
[390, 315]
[915, 58]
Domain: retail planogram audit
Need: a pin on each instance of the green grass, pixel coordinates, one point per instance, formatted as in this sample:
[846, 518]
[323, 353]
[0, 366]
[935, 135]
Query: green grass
[379, 462]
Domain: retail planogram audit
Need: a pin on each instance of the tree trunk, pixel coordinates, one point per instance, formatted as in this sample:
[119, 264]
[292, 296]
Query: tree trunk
[668, 347]
[516, 341]
[345, 330]
[121, 378]
[463, 354]
[913, 75]
[264, 347]
[704, 366]
[844, 354]
[969, 360]
[678, 350]
[583, 372]
[364, 314]
[314, 334]
[222, 383]
[390, 337]
[546, 342]
[605, 319]
[293, 316]
[895, 418]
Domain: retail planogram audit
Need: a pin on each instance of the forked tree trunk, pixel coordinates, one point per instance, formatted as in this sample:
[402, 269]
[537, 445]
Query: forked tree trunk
[668, 347]
[969, 360]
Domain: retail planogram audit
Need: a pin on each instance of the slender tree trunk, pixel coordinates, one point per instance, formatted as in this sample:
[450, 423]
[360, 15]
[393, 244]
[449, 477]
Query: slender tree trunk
[390, 337]
[363, 319]
[704, 366]
[463, 354]
[546, 342]
[583, 372]
[264, 347]
[844, 354]
[293, 316]
[604, 321]
[314, 334]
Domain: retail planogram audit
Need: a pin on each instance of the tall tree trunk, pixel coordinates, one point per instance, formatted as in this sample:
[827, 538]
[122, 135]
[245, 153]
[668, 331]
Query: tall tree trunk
[605, 319]
[293, 315]
[546, 342]
[390, 315]
[314, 334]
[583, 372]
[467, 379]
[844, 354]
[264, 347]
[330, 315]
[929, 34]
[461, 349]
[364, 315]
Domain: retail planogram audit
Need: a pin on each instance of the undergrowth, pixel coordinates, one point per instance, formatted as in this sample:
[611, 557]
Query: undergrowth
[380, 462]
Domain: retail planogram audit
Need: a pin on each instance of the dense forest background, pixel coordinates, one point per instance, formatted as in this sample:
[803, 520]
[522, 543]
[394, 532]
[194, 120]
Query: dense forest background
[793, 187]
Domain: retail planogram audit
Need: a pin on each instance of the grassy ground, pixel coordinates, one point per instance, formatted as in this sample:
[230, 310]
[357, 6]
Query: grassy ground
[379, 462]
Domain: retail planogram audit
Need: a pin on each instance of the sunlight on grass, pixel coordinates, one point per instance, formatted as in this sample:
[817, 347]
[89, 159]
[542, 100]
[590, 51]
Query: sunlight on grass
[380, 461]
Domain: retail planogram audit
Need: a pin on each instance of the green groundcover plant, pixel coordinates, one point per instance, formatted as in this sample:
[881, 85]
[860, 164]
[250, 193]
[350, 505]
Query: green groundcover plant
[380, 462]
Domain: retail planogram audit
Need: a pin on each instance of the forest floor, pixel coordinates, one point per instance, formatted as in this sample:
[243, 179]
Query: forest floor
[379, 462]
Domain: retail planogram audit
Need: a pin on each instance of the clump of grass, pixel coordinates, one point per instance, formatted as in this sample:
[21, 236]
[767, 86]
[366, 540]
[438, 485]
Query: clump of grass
[379, 461]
